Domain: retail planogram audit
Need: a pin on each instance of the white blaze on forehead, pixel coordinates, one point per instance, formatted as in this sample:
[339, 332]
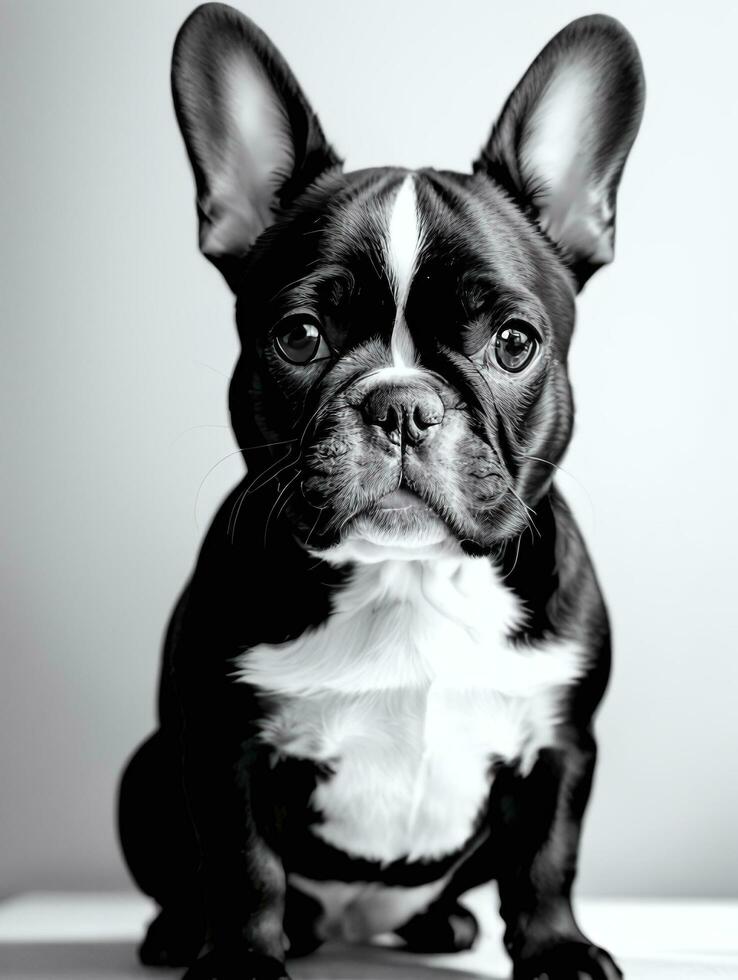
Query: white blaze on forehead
[404, 239]
[403, 236]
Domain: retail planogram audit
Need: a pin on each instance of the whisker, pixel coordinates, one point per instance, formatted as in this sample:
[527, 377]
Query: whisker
[215, 369]
[271, 511]
[281, 509]
[235, 452]
[267, 477]
[341, 388]
[567, 473]
[520, 500]
[267, 445]
[253, 487]
[192, 429]
[517, 555]
[236, 507]
[556, 466]
[320, 407]
[524, 509]
[235, 515]
[320, 511]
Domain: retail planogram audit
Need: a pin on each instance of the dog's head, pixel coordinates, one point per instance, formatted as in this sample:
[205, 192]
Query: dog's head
[403, 382]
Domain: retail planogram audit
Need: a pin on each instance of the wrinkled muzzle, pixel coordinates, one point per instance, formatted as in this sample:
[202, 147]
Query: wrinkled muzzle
[396, 459]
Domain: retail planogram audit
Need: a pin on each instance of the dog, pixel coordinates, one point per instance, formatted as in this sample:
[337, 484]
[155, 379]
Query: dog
[378, 687]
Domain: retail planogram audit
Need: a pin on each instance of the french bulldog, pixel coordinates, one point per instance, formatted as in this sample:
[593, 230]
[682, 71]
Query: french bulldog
[378, 687]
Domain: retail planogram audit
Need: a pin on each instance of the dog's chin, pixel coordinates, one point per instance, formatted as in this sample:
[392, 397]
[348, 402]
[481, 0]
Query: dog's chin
[398, 526]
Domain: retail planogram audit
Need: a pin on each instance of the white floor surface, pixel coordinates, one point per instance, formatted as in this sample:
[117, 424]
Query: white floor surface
[53, 936]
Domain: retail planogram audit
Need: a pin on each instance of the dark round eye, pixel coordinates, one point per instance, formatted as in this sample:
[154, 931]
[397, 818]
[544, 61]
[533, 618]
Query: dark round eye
[299, 339]
[515, 345]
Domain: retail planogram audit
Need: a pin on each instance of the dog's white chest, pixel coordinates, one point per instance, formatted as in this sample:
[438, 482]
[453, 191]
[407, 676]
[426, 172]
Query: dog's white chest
[410, 765]
[408, 693]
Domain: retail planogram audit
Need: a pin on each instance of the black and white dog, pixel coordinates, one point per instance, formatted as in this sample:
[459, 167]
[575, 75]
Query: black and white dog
[378, 687]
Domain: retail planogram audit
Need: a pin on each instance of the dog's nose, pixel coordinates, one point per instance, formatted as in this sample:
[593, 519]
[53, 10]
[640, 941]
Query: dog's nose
[406, 413]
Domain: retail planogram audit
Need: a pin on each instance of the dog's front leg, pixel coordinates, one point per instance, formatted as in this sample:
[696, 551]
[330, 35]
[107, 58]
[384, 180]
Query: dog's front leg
[541, 817]
[243, 878]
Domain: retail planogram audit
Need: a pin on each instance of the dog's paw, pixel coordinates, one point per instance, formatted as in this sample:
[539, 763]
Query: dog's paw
[250, 966]
[172, 939]
[570, 960]
[442, 929]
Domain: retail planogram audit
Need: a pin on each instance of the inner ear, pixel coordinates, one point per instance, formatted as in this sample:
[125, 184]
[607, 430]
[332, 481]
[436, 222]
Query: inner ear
[563, 137]
[249, 157]
[253, 141]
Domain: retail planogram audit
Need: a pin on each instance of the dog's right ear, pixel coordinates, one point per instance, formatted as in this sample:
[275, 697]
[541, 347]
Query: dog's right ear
[253, 141]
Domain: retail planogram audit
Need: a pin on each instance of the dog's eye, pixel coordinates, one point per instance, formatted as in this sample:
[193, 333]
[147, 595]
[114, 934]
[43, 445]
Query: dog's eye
[299, 339]
[516, 343]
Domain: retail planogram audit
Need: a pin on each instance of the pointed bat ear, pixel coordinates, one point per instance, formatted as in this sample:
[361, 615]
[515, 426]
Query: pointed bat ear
[253, 141]
[562, 139]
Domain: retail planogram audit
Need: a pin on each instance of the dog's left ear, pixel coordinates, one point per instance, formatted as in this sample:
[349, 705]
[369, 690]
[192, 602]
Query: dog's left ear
[253, 141]
[560, 144]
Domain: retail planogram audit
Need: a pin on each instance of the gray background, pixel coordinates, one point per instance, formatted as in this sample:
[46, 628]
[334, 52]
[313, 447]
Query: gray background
[115, 445]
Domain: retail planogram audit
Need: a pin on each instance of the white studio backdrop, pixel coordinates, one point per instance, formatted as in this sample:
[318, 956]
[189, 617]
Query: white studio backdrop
[120, 341]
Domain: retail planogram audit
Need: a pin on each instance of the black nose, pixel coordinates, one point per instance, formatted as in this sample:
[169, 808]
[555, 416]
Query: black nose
[406, 412]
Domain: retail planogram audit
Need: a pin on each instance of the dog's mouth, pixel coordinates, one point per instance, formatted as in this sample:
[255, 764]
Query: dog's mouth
[400, 501]
[400, 519]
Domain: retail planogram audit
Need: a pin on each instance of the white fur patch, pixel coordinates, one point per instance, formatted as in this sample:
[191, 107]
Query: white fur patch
[408, 691]
[404, 240]
[356, 911]
[394, 374]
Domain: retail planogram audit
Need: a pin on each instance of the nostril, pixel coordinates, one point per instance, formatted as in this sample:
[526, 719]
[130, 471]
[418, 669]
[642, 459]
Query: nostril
[372, 410]
[391, 420]
[379, 410]
[424, 416]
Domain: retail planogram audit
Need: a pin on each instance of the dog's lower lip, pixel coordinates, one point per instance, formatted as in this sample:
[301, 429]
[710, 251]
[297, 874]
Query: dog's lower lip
[400, 500]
